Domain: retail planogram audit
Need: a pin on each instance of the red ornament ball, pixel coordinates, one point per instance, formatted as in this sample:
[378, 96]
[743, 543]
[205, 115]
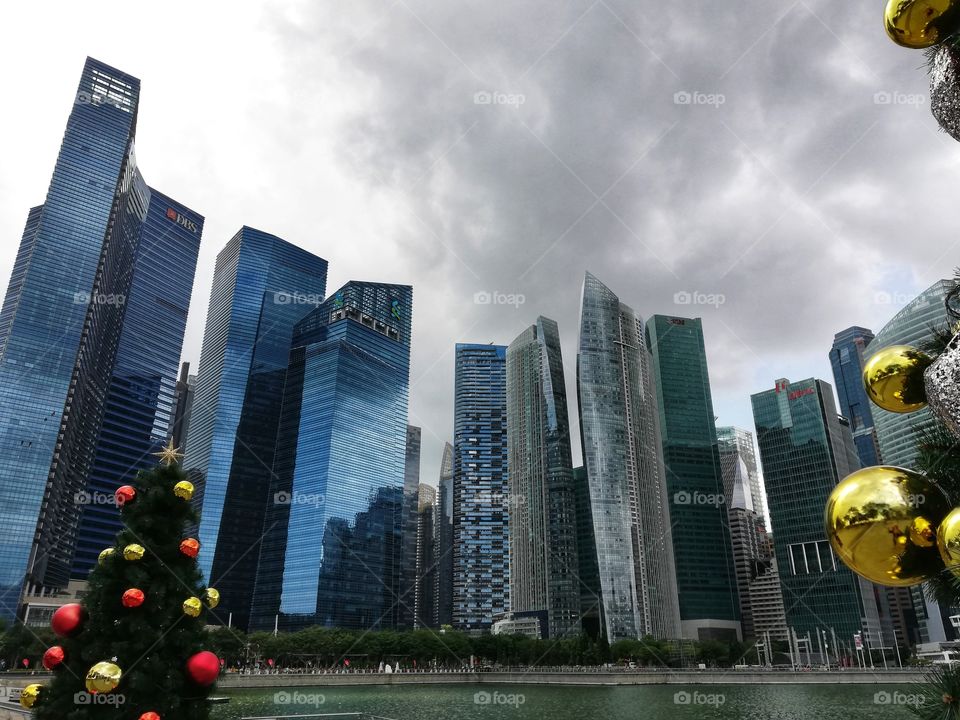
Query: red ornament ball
[150, 716]
[203, 668]
[133, 597]
[190, 547]
[53, 657]
[124, 495]
[67, 620]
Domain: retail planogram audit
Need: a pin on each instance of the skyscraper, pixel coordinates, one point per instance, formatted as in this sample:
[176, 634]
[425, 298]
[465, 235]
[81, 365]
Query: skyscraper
[425, 593]
[734, 441]
[481, 500]
[709, 607]
[262, 286]
[806, 449]
[846, 359]
[331, 549]
[140, 389]
[411, 519]
[443, 541]
[544, 575]
[590, 600]
[621, 449]
[183, 406]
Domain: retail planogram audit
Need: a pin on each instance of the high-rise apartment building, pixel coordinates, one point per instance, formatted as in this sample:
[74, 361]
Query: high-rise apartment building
[544, 574]
[409, 554]
[443, 541]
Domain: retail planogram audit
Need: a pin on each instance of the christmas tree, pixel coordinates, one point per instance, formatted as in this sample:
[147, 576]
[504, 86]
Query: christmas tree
[136, 647]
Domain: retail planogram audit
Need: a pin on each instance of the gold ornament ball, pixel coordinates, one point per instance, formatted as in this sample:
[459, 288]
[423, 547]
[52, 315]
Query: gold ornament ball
[183, 489]
[133, 552]
[102, 558]
[893, 378]
[30, 694]
[948, 541]
[192, 606]
[918, 24]
[103, 677]
[212, 597]
[881, 522]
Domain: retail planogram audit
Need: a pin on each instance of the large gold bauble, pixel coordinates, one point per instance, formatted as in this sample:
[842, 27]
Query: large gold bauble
[103, 677]
[133, 552]
[919, 24]
[104, 554]
[183, 489]
[893, 378]
[30, 694]
[948, 541]
[192, 606]
[882, 523]
[212, 597]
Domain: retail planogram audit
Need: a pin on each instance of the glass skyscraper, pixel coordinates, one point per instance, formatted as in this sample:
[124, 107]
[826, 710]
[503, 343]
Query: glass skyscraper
[706, 579]
[406, 616]
[736, 442]
[806, 448]
[910, 326]
[544, 576]
[426, 577]
[621, 447]
[137, 406]
[481, 499]
[332, 538]
[262, 286]
[846, 359]
[590, 600]
[443, 540]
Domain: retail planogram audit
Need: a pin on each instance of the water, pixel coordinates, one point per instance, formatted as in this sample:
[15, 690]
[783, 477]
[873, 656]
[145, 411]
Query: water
[528, 702]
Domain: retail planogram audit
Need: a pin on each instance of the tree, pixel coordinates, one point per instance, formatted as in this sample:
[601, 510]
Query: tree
[152, 637]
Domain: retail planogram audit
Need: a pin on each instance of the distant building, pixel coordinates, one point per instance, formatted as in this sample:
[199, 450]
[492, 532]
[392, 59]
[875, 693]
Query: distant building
[706, 579]
[766, 605]
[183, 406]
[481, 494]
[620, 430]
[262, 287]
[409, 557]
[734, 441]
[591, 603]
[425, 594]
[847, 358]
[443, 541]
[518, 624]
[544, 573]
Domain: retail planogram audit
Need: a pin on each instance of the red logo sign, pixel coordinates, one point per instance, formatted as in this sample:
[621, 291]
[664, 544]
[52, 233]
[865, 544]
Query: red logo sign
[181, 220]
[800, 393]
[172, 214]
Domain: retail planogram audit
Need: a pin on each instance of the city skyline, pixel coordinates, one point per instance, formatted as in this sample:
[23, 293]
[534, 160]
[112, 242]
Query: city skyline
[260, 148]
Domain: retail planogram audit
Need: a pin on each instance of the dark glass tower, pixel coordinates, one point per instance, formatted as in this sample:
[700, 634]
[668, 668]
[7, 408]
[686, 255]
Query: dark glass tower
[426, 579]
[183, 406]
[406, 615]
[137, 406]
[481, 501]
[591, 603]
[806, 449]
[621, 450]
[706, 579]
[332, 538]
[443, 541]
[262, 286]
[544, 575]
[847, 358]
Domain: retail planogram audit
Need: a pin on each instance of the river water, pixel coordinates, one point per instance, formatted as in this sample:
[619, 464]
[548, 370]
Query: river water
[529, 702]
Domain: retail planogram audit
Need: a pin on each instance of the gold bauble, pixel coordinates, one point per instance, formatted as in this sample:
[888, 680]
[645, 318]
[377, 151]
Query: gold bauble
[212, 597]
[192, 606]
[102, 558]
[133, 552]
[948, 541]
[893, 378]
[30, 694]
[881, 523]
[919, 24]
[103, 677]
[183, 489]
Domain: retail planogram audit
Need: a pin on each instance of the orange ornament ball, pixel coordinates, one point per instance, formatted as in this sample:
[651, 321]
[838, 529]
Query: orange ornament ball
[190, 547]
[133, 598]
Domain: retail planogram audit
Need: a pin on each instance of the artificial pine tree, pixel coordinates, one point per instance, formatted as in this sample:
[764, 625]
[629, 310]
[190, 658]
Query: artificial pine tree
[143, 617]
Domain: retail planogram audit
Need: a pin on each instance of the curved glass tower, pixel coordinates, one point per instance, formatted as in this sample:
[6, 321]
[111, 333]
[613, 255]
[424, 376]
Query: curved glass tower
[624, 468]
[910, 326]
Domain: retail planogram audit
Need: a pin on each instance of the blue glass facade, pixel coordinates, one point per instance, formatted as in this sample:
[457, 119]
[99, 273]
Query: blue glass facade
[411, 521]
[846, 359]
[262, 286]
[443, 541]
[481, 500]
[332, 544]
[44, 325]
[137, 405]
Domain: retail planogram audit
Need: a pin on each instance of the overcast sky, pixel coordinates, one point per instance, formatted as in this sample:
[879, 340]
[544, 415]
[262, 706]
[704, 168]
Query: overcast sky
[778, 157]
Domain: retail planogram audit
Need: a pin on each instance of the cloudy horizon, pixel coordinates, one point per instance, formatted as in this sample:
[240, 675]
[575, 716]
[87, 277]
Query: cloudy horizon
[774, 170]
